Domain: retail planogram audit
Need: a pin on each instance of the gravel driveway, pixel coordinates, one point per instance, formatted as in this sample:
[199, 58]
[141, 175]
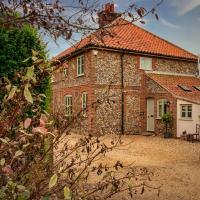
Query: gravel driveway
[175, 163]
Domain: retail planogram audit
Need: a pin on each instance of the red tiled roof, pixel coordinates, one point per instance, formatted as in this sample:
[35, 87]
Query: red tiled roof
[128, 36]
[171, 82]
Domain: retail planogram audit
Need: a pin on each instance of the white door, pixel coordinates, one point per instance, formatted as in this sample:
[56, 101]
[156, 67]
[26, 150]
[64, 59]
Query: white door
[150, 114]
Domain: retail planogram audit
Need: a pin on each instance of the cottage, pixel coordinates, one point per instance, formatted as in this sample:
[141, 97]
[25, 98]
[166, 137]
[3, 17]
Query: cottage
[148, 76]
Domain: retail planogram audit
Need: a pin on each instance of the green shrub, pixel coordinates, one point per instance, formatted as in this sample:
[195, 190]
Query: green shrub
[16, 46]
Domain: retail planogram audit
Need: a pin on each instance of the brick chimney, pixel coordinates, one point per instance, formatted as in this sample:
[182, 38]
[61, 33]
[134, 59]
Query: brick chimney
[107, 15]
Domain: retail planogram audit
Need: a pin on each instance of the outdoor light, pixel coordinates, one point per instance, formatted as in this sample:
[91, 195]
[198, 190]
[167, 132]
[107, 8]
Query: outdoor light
[168, 103]
[95, 52]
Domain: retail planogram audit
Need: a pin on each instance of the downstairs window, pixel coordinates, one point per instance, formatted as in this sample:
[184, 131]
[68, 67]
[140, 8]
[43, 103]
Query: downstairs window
[186, 111]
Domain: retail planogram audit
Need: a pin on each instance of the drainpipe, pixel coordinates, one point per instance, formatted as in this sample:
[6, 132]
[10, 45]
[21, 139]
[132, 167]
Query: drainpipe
[199, 65]
[122, 94]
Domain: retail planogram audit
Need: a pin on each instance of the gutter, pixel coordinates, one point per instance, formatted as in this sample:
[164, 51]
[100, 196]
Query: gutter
[87, 47]
[198, 66]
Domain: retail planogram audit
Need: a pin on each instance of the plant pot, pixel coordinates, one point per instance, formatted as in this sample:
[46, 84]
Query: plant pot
[167, 135]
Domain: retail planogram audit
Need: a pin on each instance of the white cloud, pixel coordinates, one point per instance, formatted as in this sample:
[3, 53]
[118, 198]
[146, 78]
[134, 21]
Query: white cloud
[167, 23]
[138, 23]
[184, 6]
[116, 5]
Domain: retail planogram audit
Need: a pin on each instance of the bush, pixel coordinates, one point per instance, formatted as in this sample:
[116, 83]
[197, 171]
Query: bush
[25, 170]
[17, 45]
[167, 119]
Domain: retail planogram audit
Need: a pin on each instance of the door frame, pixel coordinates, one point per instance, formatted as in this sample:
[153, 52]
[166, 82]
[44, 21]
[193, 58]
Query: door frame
[152, 115]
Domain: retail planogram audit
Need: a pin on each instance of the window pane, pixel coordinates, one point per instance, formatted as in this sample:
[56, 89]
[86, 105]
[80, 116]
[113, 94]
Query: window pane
[80, 65]
[165, 108]
[160, 110]
[84, 103]
[68, 102]
[79, 61]
[82, 60]
[189, 108]
[162, 107]
[145, 63]
[183, 108]
[189, 114]
[81, 69]
[65, 72]
[183, 114]
[186, 111]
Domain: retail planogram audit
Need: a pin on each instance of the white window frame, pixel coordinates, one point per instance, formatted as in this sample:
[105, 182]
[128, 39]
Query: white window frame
[80, 65]
[68, 106]
[186, 111]
[65, 72]
[162, 103]
[146, 63]
[84, 103]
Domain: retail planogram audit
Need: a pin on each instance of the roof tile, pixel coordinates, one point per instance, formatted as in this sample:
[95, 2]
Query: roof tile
[128, 36]
[171, 84]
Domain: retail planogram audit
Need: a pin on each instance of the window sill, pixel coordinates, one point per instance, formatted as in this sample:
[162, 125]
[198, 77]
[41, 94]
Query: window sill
[80, 75]
[185, 119]
[146, 69]
[158, 118]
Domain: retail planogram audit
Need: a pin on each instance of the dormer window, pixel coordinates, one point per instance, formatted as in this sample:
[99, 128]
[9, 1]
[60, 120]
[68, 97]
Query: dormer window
[197, 87]
[185, 88]
[145, 63]
[80, 65]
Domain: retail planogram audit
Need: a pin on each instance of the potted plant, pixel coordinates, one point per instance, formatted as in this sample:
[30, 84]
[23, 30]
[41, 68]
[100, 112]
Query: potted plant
[167, 120]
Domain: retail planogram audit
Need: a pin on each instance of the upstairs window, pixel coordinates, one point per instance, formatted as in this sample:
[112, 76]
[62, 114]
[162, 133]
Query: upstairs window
[145, 63]
[161, 107]
[84, 103]
[65, 72]
[80, 65]
[68, 106]
[65, 69]
[186, 111]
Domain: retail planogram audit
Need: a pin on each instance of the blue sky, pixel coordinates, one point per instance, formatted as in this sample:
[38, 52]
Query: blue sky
[179, 23]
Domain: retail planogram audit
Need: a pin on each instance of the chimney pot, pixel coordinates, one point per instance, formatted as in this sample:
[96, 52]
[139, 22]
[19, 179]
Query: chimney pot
[107, 8]
[107, 15]
[112, 7]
